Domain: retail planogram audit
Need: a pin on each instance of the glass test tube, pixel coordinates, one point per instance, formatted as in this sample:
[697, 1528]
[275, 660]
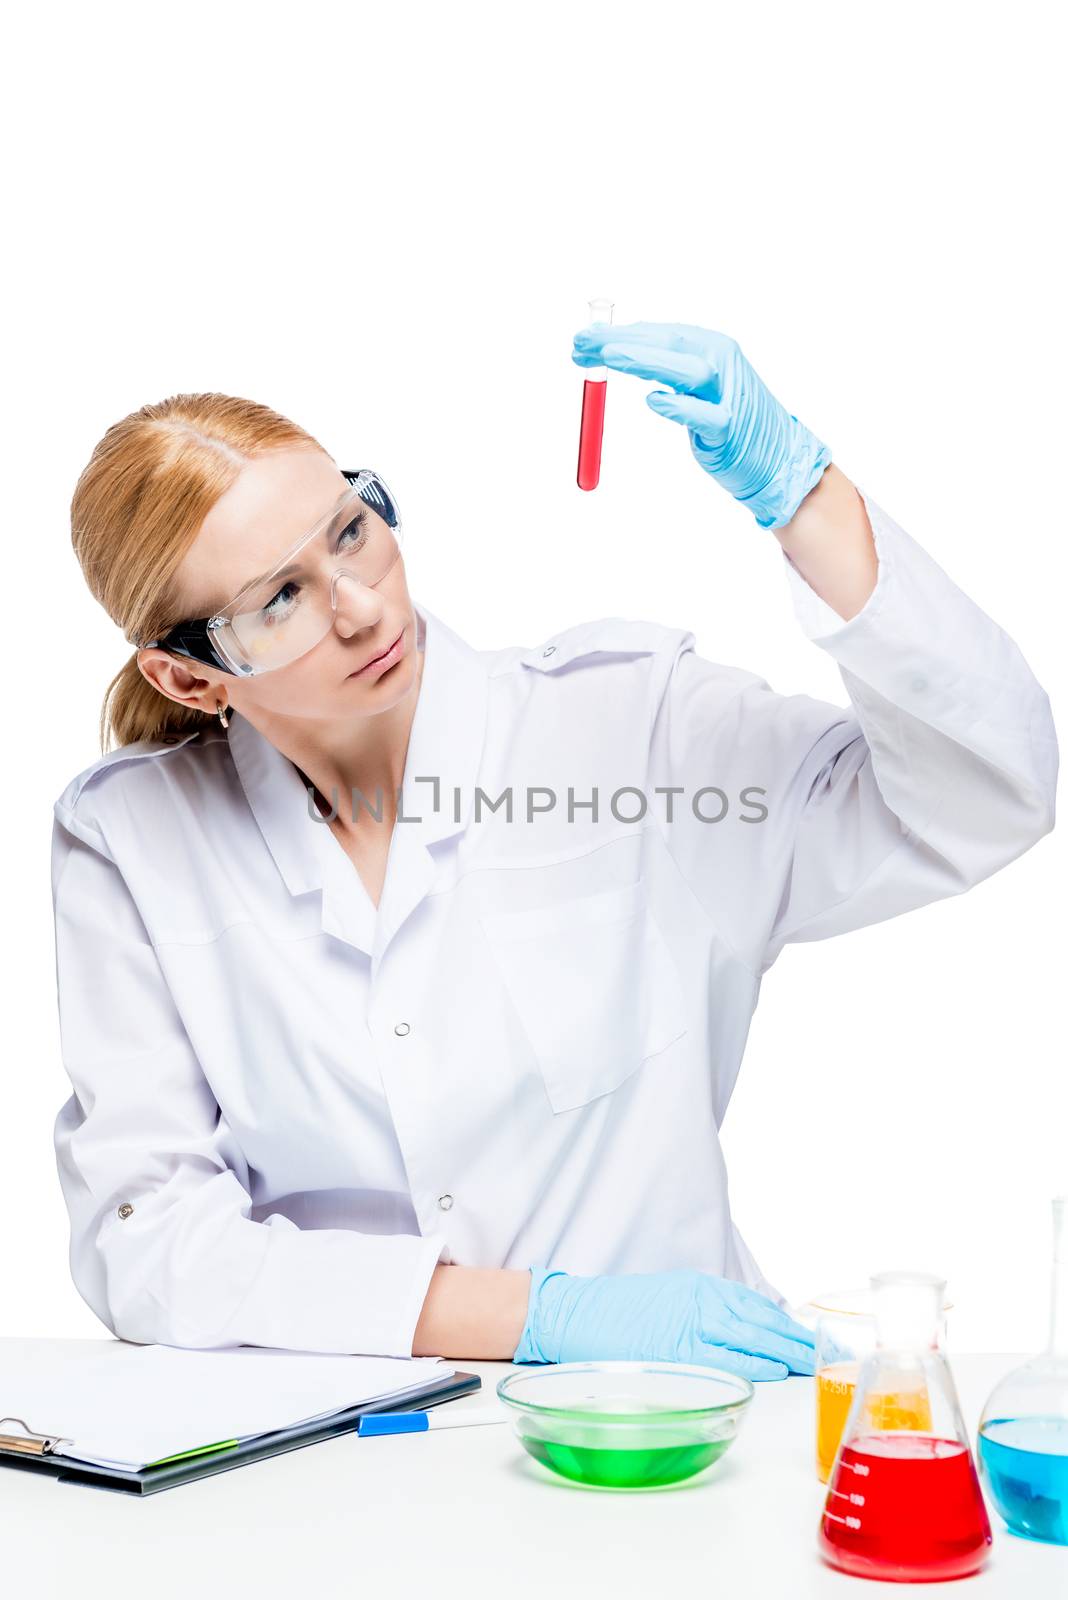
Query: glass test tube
[594, 390]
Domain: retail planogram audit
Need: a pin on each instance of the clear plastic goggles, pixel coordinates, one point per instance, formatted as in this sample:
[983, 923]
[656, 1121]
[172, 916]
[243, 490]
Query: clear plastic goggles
[285, 612]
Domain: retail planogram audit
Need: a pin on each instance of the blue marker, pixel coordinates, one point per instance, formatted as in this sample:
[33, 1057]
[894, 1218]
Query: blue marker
[382, 1422]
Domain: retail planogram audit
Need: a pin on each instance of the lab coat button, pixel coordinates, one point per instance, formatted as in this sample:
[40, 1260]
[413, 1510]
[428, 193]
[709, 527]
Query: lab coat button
[125, 1210]
[445, 1202]
[402, 1028]
[549, 648]
[919, 683]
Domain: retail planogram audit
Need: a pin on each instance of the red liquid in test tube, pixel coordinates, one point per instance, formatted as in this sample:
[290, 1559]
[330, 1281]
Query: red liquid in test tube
[591, 427]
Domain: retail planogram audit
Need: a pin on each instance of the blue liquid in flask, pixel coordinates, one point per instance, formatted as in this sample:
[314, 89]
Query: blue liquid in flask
[1025, 1461]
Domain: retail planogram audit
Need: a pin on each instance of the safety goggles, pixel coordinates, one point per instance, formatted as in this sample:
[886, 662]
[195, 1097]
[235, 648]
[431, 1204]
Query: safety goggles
[284, 613]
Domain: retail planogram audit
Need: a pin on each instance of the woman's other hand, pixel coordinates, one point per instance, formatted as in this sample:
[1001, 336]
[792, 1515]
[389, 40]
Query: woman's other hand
[662, 1316]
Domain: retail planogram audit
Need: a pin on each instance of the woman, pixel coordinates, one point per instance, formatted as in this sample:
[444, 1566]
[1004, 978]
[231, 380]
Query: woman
[403, 986]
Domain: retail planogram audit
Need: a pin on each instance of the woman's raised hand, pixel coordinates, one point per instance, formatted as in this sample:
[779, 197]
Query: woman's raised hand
[739, 432]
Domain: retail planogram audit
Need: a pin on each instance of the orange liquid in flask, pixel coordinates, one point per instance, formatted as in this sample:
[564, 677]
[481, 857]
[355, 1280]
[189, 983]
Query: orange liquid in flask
[897, 1408]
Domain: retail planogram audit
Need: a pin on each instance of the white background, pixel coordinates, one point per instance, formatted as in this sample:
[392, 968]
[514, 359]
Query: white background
[386, 223]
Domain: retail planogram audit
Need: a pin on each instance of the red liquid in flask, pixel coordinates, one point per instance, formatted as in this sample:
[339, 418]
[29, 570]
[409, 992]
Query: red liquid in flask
[905, 1507]
[591, 430]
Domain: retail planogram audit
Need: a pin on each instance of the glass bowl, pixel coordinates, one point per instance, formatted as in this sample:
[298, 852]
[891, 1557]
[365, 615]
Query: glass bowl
[625, 1424]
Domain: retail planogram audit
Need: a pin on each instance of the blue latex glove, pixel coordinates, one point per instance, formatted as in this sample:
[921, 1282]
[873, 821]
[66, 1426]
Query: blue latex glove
[739, 432]
[662, 1316]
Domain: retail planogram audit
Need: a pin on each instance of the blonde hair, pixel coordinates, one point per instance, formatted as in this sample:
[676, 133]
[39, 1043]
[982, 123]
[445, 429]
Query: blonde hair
[138, 507]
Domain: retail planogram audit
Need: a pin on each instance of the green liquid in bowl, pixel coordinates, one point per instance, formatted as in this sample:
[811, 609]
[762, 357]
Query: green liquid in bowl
[638, 1468]
[625, 1424]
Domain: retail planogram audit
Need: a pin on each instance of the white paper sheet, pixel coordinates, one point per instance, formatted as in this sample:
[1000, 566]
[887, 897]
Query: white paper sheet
[126, 1405]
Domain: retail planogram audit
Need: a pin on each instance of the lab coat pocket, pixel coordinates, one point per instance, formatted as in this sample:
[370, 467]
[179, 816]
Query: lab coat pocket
[594, 985]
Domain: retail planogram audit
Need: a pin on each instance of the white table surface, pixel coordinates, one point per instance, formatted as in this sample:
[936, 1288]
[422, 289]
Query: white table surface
[466, 1511]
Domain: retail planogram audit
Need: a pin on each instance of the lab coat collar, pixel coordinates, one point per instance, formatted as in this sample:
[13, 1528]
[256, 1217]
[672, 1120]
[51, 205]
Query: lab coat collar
[279, 801]
[445, 743]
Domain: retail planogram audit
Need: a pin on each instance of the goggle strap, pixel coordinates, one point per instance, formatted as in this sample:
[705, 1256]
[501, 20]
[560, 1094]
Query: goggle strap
[371, 490]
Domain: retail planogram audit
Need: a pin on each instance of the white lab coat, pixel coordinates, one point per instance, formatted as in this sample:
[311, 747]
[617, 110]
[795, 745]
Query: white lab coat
[302, 1106]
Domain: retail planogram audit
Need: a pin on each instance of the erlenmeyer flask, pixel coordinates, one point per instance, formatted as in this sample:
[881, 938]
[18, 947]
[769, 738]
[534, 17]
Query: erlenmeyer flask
[1023, 1432]
[903, 1502]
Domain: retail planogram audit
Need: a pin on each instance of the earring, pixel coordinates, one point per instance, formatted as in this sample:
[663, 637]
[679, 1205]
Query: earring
[221, 709]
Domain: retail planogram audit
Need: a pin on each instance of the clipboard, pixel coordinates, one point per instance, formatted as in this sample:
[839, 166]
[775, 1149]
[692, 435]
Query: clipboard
[26, 1451]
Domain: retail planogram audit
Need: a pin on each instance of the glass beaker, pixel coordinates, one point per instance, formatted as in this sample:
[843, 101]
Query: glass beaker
[845, 1336]
[904, 1503]
[1023, 1431]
